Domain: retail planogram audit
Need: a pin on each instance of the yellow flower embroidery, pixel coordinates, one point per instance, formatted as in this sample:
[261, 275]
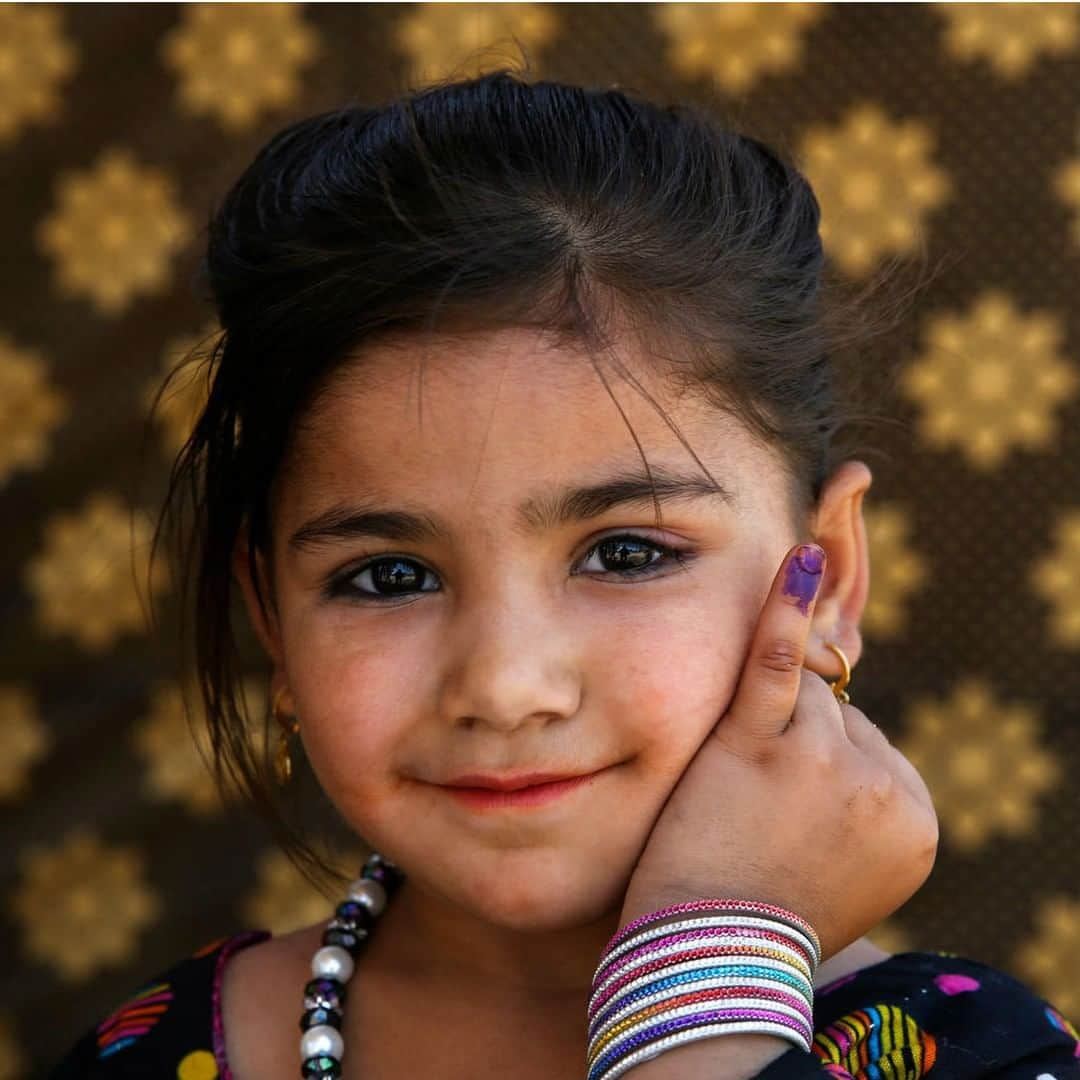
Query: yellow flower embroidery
[82, 579]
[184, 396]
[444, 39]
[30, 409]
[113, 231]
[24, 739]
[1066, 185]
[95, 891]
[875, 182]
[236, 61]
[897, 570]
[982, 761]
[1056, 578]
[987, 381]
[1048, 958]
[35, 58]
[283, 900]
[735, 44]
[1011, 37]
[178, 761]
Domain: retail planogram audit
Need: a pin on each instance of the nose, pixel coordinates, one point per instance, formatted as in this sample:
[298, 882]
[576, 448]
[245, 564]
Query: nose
[510, 666]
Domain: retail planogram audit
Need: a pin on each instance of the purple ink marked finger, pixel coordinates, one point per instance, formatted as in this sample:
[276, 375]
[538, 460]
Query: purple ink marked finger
[804, 575]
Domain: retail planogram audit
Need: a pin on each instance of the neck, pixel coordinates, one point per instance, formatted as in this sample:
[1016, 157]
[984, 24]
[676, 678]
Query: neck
[425, 938]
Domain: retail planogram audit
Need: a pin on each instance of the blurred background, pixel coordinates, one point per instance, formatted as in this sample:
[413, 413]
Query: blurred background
[947, 131]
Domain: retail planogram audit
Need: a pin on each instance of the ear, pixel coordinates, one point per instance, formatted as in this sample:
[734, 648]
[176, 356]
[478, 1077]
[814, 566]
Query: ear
[838, 526]
[265, 623]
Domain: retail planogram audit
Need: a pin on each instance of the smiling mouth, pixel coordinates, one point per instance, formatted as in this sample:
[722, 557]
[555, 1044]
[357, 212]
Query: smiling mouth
[532, 795]
[513, 781]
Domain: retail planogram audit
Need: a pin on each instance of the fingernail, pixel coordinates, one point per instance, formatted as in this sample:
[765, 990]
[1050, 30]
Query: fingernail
[804, 575]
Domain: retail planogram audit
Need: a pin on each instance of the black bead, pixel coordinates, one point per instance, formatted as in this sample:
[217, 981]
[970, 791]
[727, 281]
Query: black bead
[380, 869]
[330, 989]
[355, 912]
[320, 1015]
[345, 939]
[322, 1067]
[338, 923]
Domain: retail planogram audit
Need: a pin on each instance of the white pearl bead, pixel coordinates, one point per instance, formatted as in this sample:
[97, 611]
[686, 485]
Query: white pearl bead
[369, 893]
[332, 962]
[321, 1039]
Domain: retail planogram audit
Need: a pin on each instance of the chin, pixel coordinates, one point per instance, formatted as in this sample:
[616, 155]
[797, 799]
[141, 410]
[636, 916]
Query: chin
[525, 898]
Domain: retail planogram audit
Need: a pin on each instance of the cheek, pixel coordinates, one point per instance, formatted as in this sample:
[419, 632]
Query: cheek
[670, 680]
[349, 706]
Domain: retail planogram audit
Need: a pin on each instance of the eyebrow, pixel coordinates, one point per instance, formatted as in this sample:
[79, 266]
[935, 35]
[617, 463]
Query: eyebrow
[630, 488]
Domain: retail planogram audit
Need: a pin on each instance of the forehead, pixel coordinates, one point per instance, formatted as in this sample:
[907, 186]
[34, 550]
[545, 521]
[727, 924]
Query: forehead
[485, 417]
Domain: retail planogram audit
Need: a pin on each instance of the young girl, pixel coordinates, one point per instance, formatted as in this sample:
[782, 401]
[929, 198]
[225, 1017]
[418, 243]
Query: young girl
[519, 448]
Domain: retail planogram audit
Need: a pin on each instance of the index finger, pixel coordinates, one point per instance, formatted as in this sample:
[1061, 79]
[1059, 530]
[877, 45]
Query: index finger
[769, 683]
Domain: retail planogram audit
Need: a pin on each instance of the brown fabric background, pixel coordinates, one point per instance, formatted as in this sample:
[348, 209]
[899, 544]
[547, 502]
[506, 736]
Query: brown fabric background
[949, 129]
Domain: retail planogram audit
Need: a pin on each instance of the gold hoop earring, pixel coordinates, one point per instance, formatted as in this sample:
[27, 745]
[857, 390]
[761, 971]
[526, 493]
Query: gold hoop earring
[290, 726]
[838, 685]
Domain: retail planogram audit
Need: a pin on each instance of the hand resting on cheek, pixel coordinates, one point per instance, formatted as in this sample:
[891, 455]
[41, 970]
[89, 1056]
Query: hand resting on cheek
[791, 792]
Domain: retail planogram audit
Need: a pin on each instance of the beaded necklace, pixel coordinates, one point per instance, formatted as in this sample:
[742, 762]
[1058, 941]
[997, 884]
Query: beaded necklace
[343, 940]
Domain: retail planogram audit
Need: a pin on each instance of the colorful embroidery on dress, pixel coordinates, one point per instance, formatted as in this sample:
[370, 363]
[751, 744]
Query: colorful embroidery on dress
[198, 1065]
[133, 1019]
[207, 949]
[1059, 1021]
[876, 1043]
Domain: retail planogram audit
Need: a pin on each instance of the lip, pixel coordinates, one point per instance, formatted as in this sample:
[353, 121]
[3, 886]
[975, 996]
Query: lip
[519, 797]
[511, 781]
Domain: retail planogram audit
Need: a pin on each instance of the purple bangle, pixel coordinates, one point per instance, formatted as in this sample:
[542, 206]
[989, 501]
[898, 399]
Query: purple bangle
[785, 996]
[668, 1027]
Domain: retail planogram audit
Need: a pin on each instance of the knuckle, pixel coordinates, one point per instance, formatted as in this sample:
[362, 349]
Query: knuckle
[782, 655]
[822, 756]
[882, 787]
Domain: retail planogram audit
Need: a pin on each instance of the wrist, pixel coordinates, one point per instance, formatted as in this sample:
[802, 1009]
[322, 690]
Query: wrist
[704, 983]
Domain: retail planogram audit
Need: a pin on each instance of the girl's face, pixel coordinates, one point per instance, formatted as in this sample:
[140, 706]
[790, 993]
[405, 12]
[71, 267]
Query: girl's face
[512, 638]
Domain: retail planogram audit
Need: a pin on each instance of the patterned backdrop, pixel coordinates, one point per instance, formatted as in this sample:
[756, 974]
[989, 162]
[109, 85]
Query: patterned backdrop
[952, 130]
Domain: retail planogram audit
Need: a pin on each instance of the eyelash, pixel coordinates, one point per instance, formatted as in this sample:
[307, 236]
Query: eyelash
[341, 587]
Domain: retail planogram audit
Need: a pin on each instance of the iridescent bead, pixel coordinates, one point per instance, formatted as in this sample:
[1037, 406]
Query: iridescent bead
[321, 1041]
[332, 962]
[355, 912]
[321, 1067]
[376, 873]
[319, 1014]
[328, 993]
[351, 925]
[377, 861]
[321, 1044]
[369, 893]
[346, 939]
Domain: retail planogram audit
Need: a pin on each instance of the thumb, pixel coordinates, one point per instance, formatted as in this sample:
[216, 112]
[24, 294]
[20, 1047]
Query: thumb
[769, 683]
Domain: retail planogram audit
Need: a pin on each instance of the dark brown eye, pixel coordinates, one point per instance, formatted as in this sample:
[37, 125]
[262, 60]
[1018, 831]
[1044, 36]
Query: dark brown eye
[625, 553]
[392, 578]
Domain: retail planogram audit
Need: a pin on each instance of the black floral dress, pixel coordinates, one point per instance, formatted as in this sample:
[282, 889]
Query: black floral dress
[914, 1014]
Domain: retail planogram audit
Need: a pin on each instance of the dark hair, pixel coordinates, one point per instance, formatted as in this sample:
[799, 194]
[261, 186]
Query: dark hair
[485, 203]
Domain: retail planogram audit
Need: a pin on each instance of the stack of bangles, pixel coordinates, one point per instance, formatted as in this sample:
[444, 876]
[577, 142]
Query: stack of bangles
[733, 966]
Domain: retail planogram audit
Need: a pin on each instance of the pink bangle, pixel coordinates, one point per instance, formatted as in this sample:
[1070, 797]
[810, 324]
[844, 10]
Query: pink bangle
[748, 906]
